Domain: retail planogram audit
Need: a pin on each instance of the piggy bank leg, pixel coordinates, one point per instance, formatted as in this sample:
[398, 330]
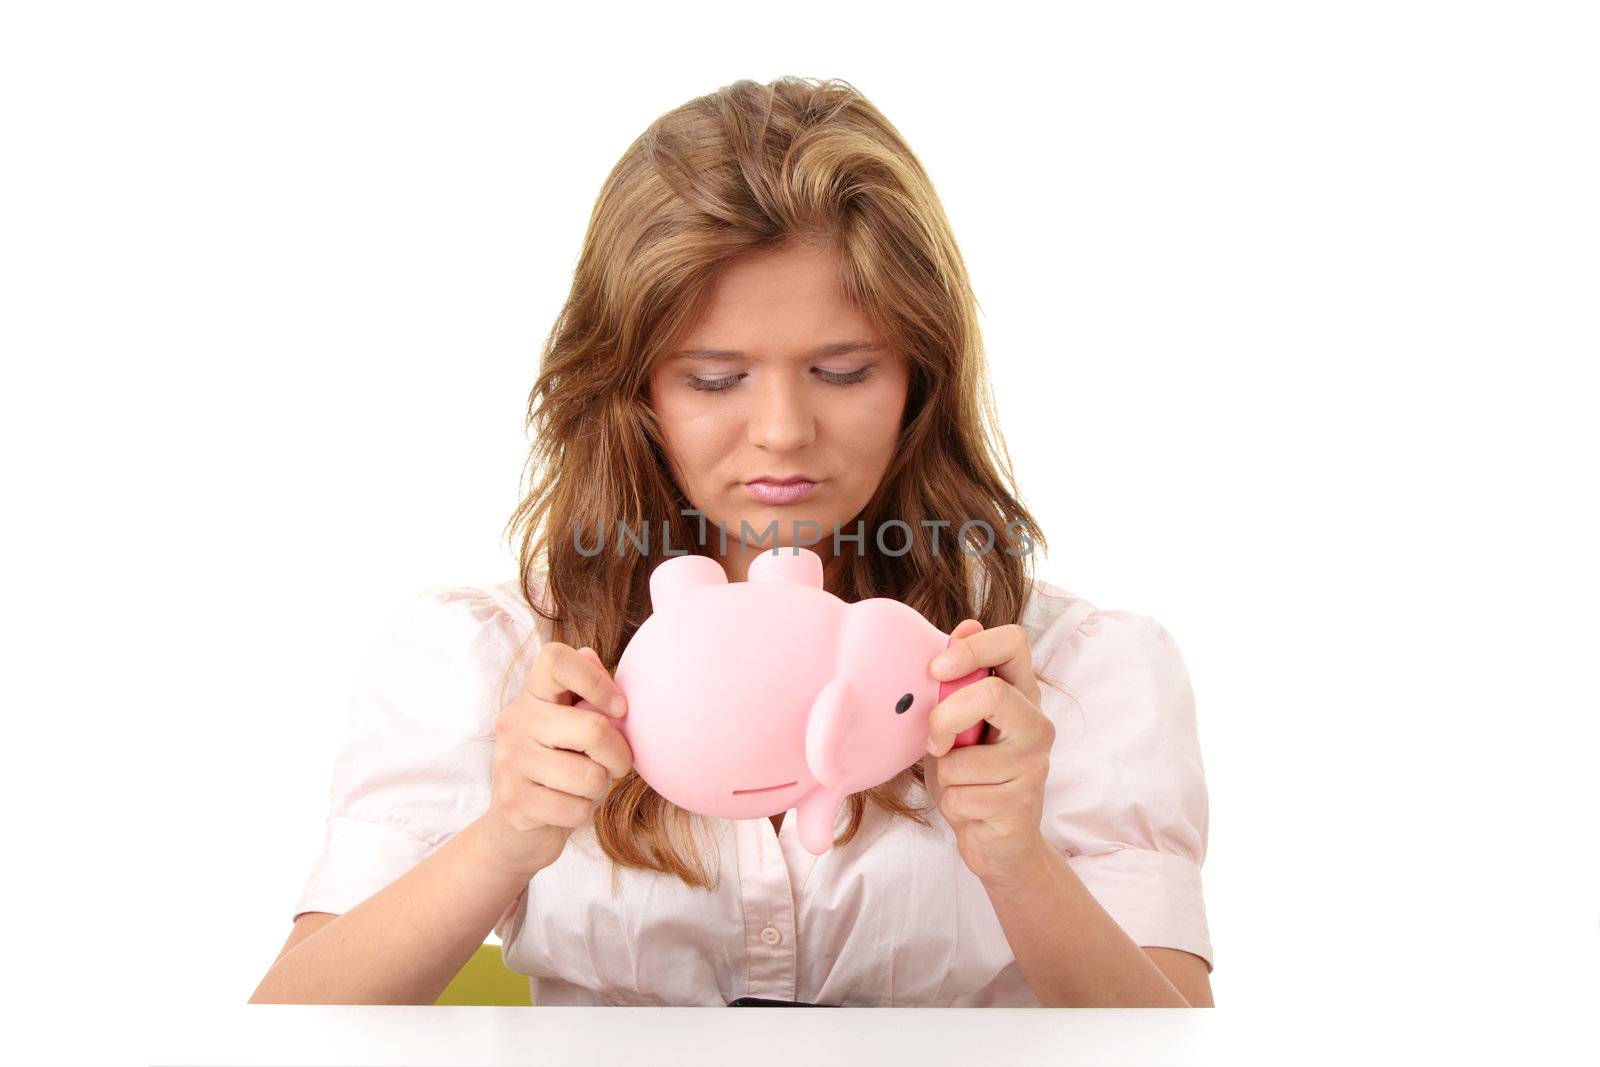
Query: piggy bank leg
[818, 810]
[681, 575]
[795, 567]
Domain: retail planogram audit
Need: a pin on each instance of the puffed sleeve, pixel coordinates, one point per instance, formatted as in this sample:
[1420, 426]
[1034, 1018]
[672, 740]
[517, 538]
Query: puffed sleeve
[414, 765]
[1126, 798]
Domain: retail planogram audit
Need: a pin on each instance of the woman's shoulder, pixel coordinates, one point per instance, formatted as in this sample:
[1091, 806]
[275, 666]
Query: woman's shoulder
[1055, 617]
[489, 626]
[1050, 606]
[1050, 614]
[500, 606]
[460, 644]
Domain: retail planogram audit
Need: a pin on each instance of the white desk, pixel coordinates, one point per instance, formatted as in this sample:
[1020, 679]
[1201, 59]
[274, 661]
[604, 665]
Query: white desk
[704, 1037]
[817, 1037]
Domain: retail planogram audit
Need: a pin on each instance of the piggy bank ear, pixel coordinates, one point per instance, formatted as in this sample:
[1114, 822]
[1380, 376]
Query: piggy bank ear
[828, 738]
[681, 575]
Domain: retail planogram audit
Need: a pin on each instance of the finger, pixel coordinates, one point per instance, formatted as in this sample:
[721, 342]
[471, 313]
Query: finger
[593, 657]
[589, 732]
[616, 710]
[1012, 718]
[979, 765]
[568, 772]
[564, 672]
[962, 710]
[1004, 648]
[551, 807]
[978, 802]
[965, 628]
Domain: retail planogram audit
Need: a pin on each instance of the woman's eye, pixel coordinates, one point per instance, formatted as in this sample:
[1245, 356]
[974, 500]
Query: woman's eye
[711, 385]
[847, 377]
[717, 385]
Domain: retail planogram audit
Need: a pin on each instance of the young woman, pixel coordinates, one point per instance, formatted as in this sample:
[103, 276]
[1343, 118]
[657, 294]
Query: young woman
[770, 325]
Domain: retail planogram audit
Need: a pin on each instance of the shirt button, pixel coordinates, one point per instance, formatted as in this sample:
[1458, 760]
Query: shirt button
[771, 935]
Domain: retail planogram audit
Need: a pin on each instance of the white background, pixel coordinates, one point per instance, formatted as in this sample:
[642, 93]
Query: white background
[1291, 313]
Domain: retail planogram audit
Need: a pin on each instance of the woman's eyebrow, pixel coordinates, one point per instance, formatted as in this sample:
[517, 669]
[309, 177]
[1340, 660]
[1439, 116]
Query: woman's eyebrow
[835, 348]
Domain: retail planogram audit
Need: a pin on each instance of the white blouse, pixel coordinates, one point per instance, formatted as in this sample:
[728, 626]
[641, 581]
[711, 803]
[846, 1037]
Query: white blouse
[893, 918]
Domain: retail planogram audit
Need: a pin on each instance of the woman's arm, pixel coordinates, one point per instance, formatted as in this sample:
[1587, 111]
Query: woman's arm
[1070, 950]
[406, 942]
[1186, 971]
[1074, 955]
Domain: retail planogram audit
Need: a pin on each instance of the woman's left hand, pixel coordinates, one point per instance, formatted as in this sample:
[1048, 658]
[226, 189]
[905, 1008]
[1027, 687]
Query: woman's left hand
[992, 793]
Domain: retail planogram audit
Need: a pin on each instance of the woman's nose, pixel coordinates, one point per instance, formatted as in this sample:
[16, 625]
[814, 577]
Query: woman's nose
[781, 420]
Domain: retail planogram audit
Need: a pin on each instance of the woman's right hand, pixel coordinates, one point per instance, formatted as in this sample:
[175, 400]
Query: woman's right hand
[553, 761]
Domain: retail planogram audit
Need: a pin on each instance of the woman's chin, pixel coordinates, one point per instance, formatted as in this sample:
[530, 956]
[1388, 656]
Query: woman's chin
[788, 525]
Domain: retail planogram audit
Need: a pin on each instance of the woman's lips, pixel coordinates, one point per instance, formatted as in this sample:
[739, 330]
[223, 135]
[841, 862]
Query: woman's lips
[776, 493]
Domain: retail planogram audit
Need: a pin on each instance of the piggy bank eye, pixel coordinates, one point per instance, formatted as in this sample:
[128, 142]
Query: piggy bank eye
[905, 702]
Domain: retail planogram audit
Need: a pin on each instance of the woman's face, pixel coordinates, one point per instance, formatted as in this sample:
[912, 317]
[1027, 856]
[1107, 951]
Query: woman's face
[782, 378]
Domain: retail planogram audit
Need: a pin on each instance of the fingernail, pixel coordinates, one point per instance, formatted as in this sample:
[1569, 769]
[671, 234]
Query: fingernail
[942, 663]
[618, 706]
[932, 747]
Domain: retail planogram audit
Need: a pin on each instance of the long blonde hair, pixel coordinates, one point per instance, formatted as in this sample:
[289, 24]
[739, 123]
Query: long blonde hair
[752, 167]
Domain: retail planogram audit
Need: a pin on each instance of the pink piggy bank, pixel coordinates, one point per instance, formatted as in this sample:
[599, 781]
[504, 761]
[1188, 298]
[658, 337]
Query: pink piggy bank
[750, 698]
